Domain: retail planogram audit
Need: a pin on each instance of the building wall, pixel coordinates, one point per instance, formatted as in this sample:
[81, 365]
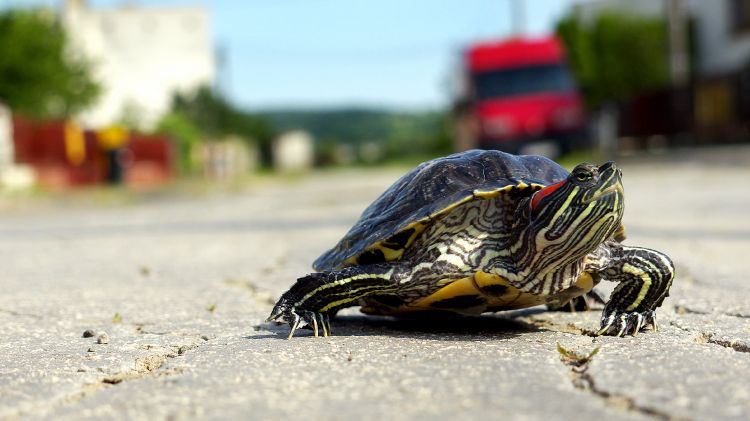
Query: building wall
[141, 57]
[720, 49]
[6, 137]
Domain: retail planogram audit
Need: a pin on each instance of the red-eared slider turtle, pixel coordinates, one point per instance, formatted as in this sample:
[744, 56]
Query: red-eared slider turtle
[485, 231]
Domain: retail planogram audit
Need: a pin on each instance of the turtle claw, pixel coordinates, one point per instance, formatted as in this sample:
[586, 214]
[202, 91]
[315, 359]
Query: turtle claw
[319, 323]
[311, 320]
[624, 323]
[293, 324]
[325, 325]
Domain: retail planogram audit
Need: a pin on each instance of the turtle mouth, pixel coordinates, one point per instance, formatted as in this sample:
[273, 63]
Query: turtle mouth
[613, 189]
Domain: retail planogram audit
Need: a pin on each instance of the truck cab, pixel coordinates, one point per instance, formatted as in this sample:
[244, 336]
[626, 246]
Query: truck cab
[518, 96]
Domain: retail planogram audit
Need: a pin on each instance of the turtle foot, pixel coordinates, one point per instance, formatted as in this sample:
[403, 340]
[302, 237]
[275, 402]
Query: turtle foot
[319, 323]
[620, 323]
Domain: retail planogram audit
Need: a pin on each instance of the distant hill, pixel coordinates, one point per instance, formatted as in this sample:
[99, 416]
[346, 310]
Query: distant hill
[394, 130]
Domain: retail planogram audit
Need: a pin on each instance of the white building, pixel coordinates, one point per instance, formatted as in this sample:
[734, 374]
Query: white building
[12, 176]
[141, 56]
[722, 34]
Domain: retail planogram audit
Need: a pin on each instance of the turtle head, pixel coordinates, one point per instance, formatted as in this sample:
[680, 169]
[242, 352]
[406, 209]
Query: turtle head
[577, 214]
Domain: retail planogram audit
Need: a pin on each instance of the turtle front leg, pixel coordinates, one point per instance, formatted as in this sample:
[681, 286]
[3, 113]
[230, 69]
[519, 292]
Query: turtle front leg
[315, 298]
[644, 277]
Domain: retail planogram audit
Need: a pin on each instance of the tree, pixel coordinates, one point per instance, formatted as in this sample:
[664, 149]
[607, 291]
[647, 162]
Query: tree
[616, 56]
[216, 117]
[186, 136]
[38, 76]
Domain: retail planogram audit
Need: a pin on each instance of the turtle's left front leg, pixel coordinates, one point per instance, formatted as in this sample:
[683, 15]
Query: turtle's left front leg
[644, 278]
[315, 298]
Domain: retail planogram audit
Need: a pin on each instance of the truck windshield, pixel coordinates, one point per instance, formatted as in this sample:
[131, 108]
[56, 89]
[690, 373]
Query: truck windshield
[522, 81]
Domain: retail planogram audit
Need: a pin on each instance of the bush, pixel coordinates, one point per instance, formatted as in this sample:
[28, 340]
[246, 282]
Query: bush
[617, 56]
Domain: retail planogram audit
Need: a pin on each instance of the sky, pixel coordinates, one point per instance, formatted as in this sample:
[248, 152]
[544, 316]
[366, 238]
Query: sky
[333, 53]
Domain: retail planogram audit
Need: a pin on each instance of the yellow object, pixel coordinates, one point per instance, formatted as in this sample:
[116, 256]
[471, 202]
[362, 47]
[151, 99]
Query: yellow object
[75, 146]
[113, 137]
[507, 297]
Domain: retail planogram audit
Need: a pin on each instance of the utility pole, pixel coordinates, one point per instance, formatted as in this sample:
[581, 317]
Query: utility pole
[678, 40]
[517, 14]
[222, 76]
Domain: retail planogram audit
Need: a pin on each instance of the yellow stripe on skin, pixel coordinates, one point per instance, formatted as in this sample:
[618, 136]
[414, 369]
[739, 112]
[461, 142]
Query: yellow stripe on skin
[343, 281]
[541, 236]
[348, 299]
[628, 268]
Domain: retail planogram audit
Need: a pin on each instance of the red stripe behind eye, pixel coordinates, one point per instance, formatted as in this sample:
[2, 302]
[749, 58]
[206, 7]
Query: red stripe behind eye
[541, 194]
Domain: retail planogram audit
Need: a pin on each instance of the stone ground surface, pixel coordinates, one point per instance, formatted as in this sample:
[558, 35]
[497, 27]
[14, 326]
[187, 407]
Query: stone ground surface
[182, 288]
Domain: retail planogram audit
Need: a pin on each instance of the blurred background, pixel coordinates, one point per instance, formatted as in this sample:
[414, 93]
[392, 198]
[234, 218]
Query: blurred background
[144, 93]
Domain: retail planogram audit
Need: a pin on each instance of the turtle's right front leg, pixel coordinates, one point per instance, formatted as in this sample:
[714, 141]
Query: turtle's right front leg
[644, 277]
[314, 298]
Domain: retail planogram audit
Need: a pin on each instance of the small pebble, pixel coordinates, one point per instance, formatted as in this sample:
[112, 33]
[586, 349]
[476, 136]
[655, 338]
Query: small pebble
[92, 350]
[103, 339]
[88, 333]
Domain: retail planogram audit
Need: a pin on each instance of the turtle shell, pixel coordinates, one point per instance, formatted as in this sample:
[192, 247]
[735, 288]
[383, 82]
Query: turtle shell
[391, 223]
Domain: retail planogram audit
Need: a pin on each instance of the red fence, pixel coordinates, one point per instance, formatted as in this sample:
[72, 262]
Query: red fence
[64, 157]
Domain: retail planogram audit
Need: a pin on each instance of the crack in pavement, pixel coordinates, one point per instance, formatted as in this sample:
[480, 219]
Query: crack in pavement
[707, 337]
[19, 314]
[704, 337]
[683, 309]
[583, 380]
[678, 326]
[687, 277]
[148, 366]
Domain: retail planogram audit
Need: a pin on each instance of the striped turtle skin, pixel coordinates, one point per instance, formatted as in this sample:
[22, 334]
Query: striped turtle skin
[485, 231]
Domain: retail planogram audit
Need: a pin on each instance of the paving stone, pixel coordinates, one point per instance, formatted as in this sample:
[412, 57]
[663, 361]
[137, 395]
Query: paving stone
[182, 287]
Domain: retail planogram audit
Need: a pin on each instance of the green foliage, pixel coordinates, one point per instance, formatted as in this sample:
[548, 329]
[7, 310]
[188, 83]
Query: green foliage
[185, 134]
[216, 118]
[617, 56]
[37, 75]
[398, 134]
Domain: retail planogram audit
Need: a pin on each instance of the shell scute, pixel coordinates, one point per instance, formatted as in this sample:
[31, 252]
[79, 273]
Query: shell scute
[392, 222]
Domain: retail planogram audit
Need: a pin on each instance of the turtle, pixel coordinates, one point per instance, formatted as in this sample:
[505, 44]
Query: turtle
[485, 231]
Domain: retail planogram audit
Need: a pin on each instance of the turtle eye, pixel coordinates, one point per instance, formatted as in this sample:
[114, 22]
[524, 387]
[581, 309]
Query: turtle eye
[583, 176]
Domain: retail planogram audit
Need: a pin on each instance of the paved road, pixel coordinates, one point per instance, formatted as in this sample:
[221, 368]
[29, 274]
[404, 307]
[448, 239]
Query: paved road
[181, 287]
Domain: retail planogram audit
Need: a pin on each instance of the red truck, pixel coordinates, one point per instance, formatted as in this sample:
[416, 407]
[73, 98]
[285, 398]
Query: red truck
[519, 96]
